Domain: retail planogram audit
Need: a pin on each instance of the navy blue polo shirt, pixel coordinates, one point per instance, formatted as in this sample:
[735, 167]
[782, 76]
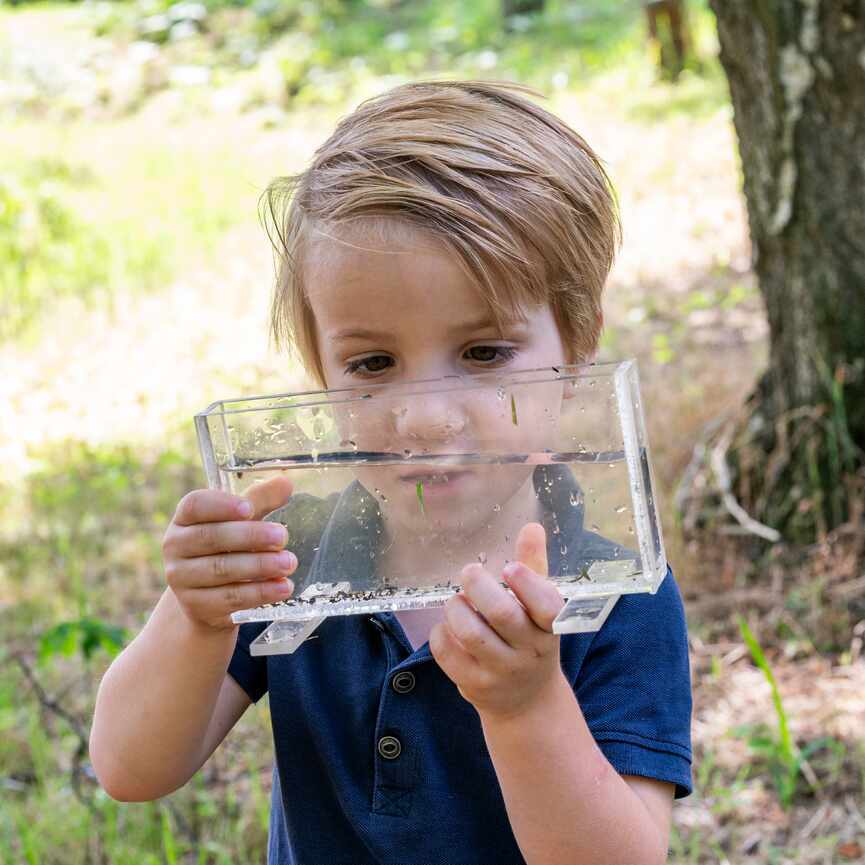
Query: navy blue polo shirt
[380, 760]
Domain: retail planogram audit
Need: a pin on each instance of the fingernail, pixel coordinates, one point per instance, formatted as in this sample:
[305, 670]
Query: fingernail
[276, 534]
[284, 588]
[244, 509]
[511, 568]
[285, 559]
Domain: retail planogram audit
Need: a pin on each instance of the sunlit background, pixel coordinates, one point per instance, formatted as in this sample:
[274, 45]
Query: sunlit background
[135, 141]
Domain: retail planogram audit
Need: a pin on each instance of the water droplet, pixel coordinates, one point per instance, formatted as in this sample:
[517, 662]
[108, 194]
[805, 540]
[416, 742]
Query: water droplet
[575, 499]
[620, 509]
[406, 453]
[497, 508]
[500, 392]
[482, 558]
[630, 530]
[611, 465]
[595, 527]
[348, 443]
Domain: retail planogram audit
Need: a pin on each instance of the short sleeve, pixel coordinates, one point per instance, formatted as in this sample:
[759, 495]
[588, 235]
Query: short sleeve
[249, 672]
[634, 687]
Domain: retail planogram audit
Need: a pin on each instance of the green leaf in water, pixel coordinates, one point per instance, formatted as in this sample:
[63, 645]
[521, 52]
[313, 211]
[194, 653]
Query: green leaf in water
[419, 491]
[513, 410]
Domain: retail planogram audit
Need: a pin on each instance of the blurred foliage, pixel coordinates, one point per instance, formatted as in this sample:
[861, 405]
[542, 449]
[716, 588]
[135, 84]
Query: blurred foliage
[49, 252]
[46, 251]
[85, 529]
[325, 50]
[83, 540]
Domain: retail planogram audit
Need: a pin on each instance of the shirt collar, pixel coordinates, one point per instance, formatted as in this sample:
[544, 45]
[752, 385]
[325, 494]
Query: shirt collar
[351, 539]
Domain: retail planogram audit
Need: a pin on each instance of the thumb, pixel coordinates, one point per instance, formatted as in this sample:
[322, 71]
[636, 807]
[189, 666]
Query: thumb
[269, 495]
[532, 548]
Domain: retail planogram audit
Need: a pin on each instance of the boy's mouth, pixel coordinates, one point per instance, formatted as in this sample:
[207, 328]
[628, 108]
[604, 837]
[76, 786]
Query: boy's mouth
[434, 478]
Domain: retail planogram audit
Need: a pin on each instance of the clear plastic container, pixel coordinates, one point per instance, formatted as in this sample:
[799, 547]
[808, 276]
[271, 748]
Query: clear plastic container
[397, 487]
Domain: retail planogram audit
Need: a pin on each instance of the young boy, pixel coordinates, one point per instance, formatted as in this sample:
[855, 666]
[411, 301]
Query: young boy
[444, 228]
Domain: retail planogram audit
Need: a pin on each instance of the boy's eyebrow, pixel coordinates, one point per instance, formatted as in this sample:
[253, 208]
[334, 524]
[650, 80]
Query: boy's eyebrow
[363, 333]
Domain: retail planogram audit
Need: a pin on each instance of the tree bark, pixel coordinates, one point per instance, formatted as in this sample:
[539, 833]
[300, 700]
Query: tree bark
[796, 70]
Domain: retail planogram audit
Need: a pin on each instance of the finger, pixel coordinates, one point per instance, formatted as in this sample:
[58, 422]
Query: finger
[269, 495]
[531, 548]
[537, 594]
[205, 539]
[449, 654]
[474, 634]
[497, 605]
[215, 605]
[209, 571]
[209, 506]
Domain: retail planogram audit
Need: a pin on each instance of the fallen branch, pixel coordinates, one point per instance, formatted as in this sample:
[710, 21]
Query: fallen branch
[722, 476]
[75, 724]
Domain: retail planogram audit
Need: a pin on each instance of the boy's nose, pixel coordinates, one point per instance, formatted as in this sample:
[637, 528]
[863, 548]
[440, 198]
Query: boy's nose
[429, 418]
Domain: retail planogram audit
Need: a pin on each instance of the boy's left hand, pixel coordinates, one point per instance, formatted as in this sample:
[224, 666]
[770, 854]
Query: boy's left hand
[498, 648]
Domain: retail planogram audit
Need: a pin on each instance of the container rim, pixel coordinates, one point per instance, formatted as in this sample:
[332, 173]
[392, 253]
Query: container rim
[355, 393]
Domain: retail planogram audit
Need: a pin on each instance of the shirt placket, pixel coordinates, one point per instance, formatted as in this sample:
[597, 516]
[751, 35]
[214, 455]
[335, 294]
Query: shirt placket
[397, 751]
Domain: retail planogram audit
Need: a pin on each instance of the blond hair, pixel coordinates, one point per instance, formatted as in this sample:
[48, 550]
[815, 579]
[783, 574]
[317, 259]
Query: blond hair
[520, 198]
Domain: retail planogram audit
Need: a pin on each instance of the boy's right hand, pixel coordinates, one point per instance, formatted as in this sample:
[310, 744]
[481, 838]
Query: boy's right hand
[219, 558]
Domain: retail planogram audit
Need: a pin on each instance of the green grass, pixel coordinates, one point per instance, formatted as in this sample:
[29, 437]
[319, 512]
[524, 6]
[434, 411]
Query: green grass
[102, 212]
[79, 557]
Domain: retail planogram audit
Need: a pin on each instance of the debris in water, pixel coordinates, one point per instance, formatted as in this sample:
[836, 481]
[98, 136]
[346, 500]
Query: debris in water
[419, 491]
[513, 410]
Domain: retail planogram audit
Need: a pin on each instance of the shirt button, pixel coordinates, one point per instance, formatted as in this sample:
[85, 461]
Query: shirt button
[389, 747]
[403, 682]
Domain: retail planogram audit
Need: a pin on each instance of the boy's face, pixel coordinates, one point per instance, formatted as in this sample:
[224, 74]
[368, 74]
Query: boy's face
[388, 312]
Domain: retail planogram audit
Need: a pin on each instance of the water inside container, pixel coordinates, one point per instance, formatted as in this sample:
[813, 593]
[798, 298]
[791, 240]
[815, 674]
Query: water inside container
[386, 531]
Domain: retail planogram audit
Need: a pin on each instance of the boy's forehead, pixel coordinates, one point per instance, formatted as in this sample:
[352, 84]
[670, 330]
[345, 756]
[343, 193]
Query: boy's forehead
[390, 270]
[369, 242]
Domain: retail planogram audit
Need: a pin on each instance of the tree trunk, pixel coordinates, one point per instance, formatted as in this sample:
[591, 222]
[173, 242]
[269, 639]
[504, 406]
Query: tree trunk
[668, 32]
[796, 70]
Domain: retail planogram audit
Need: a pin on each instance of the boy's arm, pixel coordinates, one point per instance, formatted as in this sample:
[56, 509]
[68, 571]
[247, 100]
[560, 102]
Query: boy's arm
[565, 802]
[166, 701]
[163, 706]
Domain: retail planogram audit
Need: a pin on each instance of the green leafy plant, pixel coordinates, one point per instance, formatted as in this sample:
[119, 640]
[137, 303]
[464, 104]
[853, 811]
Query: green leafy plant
[86, 636]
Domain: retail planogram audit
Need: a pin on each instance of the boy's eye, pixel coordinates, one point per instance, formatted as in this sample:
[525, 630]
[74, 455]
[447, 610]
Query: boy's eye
[375, 363]
[489, 353]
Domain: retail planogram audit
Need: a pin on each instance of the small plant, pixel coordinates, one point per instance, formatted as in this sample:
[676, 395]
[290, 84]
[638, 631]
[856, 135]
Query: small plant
[86, 635]
[419, 490]
[780, 751]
